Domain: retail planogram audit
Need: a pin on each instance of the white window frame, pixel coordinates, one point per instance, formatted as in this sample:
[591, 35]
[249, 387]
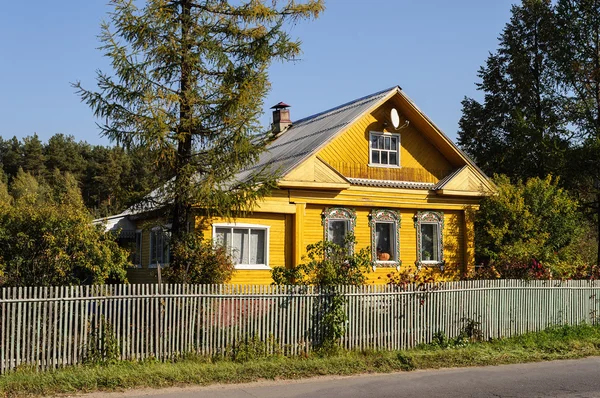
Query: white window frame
[383, 134]
[166, 252]
[233, 226]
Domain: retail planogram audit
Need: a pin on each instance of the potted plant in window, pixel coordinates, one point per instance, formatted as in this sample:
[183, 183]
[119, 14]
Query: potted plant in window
[426, 256]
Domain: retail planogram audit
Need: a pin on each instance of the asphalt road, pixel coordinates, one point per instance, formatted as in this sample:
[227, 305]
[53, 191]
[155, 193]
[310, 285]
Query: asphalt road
[576, 378]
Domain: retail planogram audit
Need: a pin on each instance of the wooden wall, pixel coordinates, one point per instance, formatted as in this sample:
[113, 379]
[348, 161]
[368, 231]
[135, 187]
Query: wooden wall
[419, 160]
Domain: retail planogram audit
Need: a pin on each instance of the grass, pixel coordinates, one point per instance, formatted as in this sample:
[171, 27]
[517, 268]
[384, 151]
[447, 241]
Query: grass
[564, 342]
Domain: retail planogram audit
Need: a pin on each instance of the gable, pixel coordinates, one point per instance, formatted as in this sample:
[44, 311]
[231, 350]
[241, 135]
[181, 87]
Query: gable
[465, 181]
[314, 172]
[331, 150]
[420, 160]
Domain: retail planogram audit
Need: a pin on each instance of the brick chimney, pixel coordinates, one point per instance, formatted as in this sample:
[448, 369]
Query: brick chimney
[281, 118]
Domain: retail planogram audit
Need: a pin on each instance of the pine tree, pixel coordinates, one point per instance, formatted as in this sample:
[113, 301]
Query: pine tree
[189, 81]
[518, 130]
[33, 155]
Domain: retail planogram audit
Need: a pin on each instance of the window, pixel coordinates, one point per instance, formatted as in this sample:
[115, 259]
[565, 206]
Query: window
[385, 237]
[137, 254]
[430, 245]
[159, 247]
[131, 240]
[247, 244]
[337, 224]
[384, 149]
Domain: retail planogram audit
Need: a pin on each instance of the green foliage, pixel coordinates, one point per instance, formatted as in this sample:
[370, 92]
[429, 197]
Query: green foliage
[541, 110]
[110, 179]
[201, 262]
[47, 239]
[251, 348]
[528, 229]
[25, 188]
[187, 89]
[327, 264]
[103, 345]
[519, 129]
[5, 198]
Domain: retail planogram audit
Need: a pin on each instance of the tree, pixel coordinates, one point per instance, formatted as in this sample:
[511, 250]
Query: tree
[26, 188]
[190, 78]
[526, 225]
[50, 241]
[11, 156]
[33, 155]
[577, 54]
[204, 262]
[519, 129]
[65, 154]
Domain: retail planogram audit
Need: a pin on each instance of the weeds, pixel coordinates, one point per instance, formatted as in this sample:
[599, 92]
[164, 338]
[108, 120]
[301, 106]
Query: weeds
[252, 360]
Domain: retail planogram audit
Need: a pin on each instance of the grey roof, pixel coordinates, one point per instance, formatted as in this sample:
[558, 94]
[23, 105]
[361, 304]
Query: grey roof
[307, 135]
[366, 182]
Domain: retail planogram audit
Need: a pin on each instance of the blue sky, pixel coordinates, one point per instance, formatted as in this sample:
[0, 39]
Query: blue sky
[432, 49]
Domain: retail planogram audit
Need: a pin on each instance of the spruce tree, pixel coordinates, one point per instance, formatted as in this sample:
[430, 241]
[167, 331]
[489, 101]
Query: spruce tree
[188, 85]
[518, 130]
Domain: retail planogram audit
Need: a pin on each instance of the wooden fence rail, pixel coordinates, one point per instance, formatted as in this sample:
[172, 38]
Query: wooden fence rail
[51, 327]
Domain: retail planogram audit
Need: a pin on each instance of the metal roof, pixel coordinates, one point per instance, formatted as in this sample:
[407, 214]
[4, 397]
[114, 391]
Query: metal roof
[307, 135]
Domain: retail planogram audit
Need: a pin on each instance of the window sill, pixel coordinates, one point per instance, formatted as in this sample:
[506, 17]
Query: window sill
[252, 267]
[430, 262]
[386, 263]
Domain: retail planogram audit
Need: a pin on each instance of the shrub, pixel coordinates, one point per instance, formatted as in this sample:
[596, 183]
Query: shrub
[47, 239]
[528, 230]
[327, 264]
[200, 261]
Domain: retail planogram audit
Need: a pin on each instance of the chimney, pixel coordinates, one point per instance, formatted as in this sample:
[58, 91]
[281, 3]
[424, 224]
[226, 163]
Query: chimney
[281, 118]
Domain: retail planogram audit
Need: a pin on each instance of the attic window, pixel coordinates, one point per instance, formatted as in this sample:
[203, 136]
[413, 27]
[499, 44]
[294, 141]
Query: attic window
[384, 149]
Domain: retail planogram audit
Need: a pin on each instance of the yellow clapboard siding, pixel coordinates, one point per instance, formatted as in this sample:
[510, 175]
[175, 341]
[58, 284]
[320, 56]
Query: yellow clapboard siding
[419, 159]
[382, 197]
[251, 277]
[453, 238]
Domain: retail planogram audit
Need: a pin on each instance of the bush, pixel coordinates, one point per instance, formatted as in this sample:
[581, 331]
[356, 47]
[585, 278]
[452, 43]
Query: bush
[528, 230]
[199, 261]
[47, 238]
[327, 264]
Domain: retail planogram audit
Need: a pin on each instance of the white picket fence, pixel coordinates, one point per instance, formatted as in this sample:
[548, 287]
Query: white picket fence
[52, 327]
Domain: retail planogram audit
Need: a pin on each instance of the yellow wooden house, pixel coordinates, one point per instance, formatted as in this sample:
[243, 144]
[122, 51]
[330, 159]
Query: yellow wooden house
[376, 167]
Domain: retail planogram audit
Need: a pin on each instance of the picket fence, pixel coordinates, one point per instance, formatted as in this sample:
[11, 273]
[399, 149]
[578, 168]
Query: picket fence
[52, 327]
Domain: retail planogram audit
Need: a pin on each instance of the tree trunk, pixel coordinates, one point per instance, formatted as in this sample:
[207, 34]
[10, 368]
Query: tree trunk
[181, 203]
[598, 226]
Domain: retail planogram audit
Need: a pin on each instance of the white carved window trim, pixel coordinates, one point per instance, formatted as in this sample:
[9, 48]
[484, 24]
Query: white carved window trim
[389, 217]
[249, 227]
[338, 214]
[432, 218]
